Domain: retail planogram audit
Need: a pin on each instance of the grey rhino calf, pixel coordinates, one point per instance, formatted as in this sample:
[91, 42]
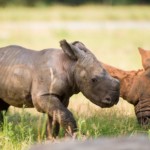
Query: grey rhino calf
[46, 80]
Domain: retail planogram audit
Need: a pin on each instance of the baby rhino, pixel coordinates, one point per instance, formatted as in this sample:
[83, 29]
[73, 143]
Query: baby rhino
[46, 80]
[135, 87]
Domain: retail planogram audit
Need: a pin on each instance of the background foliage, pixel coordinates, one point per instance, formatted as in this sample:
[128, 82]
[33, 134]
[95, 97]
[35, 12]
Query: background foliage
[71, 2]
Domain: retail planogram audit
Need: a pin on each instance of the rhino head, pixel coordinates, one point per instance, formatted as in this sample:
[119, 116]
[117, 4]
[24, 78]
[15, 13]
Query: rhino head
[90, 77]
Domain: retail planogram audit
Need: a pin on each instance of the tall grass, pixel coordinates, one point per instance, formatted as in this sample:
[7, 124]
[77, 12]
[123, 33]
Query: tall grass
[23, 129]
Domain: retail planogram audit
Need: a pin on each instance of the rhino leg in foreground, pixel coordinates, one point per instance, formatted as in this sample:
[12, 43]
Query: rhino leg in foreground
[52, 128]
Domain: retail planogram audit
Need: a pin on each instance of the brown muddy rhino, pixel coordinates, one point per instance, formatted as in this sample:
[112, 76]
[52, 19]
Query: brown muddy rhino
[46, 80]
[135, 87]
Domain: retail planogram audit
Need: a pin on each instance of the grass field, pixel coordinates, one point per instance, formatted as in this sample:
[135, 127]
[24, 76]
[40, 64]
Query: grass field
[44, 27]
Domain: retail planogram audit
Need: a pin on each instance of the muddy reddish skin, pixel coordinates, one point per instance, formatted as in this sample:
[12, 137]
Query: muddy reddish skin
[46, 80]
[135, 86]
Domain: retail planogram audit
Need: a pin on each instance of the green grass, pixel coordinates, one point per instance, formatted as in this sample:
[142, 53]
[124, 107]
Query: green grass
[21, 130]
[118, 47]
[97, 125]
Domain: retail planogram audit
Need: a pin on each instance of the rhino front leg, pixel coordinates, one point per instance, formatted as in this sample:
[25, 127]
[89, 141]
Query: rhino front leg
[52, 128]
[142, 111]
[57, 113]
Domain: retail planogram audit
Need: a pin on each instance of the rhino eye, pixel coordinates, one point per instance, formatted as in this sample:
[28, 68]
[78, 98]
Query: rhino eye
[94, 80]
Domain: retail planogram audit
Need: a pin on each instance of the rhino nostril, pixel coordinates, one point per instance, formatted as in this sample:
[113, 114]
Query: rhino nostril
[107, 100]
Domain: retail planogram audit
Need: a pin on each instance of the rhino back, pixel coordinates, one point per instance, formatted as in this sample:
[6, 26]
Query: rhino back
[19, 67]
[16, 64]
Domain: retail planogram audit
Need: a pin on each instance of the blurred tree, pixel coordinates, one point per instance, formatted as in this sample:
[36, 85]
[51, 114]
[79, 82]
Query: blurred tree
[145, 1]
[34, 2]
[120, 2]
[3, 3]
[71, 2]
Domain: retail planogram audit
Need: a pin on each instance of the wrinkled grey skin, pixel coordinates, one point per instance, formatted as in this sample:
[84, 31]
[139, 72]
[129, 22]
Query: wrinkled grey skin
[47, 79]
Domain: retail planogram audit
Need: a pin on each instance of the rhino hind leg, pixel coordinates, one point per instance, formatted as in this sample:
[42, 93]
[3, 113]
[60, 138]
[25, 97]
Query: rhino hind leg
[3, 109]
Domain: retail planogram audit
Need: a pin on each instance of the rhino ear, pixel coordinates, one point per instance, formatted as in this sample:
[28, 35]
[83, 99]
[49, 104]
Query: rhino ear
[142, 52]
[71, 50]
[145, 56]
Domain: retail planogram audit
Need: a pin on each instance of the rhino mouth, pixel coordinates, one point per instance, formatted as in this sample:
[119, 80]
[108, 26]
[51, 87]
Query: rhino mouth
[111, 99]
[106, 104]
[142, 111]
